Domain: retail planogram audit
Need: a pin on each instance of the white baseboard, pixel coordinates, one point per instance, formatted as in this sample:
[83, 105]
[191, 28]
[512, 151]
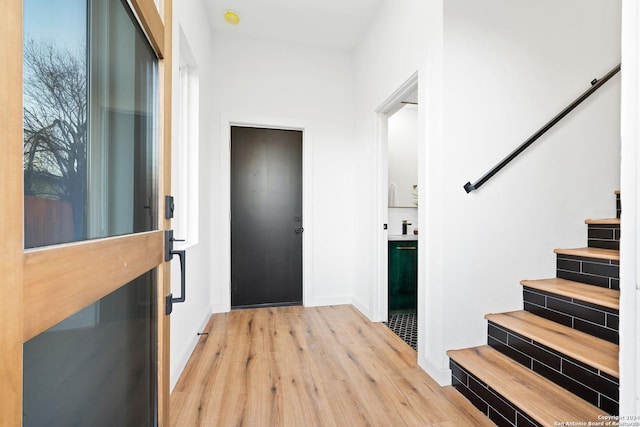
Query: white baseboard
[325, 301]
[362, 307]
[220, 308]
[178, 368]
[440, 375]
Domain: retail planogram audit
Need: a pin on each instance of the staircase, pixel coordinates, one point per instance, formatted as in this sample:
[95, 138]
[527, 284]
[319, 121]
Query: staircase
[555, 363]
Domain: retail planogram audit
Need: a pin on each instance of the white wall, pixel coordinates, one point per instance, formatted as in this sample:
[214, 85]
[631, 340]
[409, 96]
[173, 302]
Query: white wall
[491, 73]
[389, 54]
[190, 317]
[273, 82]
[509, 67]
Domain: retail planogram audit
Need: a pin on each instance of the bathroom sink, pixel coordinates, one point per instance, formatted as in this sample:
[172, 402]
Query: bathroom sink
[402, 237]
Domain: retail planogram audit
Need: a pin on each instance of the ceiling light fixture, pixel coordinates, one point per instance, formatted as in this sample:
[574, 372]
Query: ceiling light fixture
[231, 17]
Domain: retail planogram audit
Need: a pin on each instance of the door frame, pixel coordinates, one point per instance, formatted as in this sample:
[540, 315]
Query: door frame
[629, 186]
[224, 304]
[35, 295]
[390, 106]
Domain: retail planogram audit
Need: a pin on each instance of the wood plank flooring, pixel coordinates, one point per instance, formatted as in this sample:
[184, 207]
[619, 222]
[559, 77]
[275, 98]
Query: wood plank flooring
[321, 366]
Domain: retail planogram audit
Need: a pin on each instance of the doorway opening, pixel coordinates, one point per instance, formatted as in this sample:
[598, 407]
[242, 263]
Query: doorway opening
[398, 211]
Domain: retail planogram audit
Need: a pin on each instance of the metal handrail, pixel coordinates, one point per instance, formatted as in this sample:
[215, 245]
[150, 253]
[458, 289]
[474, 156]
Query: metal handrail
[595, 85]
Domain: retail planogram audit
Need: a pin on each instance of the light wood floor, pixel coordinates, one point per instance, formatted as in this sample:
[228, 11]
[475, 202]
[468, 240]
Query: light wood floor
[323, 366]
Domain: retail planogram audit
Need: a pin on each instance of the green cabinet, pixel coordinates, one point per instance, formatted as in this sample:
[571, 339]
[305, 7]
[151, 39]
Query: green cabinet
[403, 276]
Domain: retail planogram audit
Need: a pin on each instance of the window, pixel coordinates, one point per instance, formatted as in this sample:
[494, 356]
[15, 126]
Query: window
[89, 152]
[185, 147]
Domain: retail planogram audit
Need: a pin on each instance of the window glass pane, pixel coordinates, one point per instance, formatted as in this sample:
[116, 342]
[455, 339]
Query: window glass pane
[55, 119]
[97, 367]
[89, 122]
[184, 150]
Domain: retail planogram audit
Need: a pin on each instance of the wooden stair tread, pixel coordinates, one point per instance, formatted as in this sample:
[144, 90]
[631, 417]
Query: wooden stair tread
[604, 297]
[616, 192]
[603, 221]
[539, 398]
[590, 350]
[610, 254]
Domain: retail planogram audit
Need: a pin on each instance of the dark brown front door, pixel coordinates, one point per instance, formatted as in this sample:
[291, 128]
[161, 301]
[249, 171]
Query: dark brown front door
[266, 217]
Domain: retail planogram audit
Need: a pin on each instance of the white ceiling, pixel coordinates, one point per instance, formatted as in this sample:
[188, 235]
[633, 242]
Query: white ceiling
[328, 23]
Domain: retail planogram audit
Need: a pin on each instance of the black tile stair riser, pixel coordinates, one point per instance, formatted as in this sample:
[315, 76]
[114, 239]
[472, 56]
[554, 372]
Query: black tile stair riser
[574, 387]
[611, 271]
[488, 401]
[534, 296]
[602, 231]
[498, 419]
[599, 321]
[613, 321]
[522, 421]
[548, 314]
[603, 282]
[592, 271]
[608, 405]
[609, 377]
[458, 373]
[536, 353]
[604, 244]
[497, 333]
[582, 380]
[604, 236]
[492, 399]
[606, 387]
[618, 206]
[597, 331]
[579, 311]
[471, 396]
[511, 352]
[588, 259]
[615, 284]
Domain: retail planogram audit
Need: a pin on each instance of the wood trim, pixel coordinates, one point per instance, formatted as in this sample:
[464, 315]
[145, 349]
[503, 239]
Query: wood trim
[606, 221]
[164, 270]
[581, 291]
[11, 212]
[56, 279]
[152, 24]
[610, 254]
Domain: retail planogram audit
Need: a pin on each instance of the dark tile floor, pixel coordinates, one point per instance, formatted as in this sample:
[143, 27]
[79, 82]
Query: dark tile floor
[406, 327]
